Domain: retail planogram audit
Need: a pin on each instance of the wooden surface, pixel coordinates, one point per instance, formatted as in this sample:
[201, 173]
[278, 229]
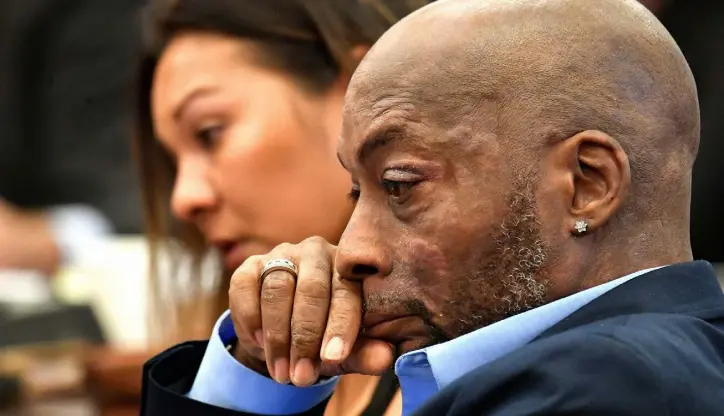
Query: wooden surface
[81, 381]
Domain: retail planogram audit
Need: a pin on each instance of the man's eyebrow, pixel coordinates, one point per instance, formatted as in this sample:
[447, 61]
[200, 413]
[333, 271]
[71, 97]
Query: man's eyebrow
[379, 138]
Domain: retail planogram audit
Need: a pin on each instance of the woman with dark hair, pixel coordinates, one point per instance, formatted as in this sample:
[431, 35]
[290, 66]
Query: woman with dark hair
[239, 114]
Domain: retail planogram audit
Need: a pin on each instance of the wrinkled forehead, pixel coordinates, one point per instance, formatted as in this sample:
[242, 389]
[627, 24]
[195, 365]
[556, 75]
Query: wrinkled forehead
[410, 81]
[372, 107]
[397, 121]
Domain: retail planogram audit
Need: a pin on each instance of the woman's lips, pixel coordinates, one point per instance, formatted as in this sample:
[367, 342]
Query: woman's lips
[235, 252]
[234, 255]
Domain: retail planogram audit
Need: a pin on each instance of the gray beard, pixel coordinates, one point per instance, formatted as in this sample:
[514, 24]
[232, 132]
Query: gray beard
[513, 280]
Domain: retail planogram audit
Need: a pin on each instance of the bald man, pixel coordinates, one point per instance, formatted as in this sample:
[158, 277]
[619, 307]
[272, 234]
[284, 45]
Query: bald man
[520, 241]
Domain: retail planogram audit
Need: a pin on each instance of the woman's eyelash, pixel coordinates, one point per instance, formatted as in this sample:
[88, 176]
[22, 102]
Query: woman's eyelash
[208, 135]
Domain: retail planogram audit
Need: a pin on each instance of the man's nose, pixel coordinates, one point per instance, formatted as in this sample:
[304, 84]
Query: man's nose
[360, 253]
[192, 192]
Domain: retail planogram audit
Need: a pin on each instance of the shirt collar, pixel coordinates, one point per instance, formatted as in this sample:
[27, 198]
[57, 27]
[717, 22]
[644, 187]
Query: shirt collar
[451, 360]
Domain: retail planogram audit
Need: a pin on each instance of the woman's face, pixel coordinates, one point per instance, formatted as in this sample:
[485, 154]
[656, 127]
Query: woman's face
[255, 154]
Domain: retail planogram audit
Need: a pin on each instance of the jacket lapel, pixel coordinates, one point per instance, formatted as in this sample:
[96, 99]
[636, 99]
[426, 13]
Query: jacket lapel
[684, 288]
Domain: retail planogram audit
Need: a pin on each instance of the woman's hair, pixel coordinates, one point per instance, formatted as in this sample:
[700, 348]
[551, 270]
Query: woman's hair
[308, 40]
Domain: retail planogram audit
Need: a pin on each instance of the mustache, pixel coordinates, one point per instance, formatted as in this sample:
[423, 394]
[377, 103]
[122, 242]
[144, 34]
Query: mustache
[404, 304]
[393, 303]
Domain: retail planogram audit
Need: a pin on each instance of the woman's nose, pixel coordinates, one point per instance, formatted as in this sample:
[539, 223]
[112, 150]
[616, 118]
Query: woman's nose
[192, 192]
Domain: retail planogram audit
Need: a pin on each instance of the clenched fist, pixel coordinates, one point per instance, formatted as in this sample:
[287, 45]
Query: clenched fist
[302, 328]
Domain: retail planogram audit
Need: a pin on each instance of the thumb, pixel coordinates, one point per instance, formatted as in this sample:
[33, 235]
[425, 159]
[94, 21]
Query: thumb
[368, 356]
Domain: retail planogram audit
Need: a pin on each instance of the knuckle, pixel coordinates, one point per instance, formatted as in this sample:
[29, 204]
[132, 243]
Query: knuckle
[324, 267]
[315, 295]
[250, 263]
[315, 240]
[305, 334]
[245, 273]
[241, 294]
[245, 316]
[315, 283]
[276, 337]
[283, 248]
[238, 283]
[339, 325]
[254, 259]
[278, 284]
[316, 247]
[342, 293]
[233, 288]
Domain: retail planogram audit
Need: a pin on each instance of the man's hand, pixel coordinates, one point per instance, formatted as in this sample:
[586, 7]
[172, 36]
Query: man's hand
[299, 329]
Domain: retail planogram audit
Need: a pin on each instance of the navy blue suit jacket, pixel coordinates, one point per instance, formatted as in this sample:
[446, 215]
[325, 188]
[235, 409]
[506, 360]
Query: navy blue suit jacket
[652, 346]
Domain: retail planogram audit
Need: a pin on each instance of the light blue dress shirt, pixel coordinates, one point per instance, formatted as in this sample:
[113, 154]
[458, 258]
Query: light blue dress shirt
[222, 381]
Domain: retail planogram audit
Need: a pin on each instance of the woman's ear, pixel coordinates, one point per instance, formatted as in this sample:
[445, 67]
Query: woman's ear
[356, 54]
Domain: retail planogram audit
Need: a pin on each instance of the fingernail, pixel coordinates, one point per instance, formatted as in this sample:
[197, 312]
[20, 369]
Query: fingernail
[281, 370]
[303, 374]
[333, 350]
[259, 336]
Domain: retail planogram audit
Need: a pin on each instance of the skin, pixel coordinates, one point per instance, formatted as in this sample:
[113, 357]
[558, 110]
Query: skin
[470, 171]
[250, 155]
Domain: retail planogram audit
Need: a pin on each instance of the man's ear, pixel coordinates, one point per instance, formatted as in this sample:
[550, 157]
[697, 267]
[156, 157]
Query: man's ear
[599, 175]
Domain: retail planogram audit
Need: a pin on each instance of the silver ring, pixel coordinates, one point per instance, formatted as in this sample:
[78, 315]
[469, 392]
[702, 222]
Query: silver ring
[279, 264]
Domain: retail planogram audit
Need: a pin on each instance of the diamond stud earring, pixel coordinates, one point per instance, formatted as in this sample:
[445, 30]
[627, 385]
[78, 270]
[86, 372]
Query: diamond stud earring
[581, 226]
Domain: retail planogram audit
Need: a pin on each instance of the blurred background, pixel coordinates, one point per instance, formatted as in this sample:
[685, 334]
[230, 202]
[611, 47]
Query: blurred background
[76, 319]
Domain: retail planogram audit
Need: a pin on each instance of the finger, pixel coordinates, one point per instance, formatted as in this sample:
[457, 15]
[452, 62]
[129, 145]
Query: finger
[309, 316]
[244, 292]
[250, 356]
[345, 318]
[368, 356]
[277, 299]
[248, 346]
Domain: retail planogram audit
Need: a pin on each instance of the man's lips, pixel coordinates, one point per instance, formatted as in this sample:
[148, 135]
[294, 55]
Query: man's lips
[393, 329]
[371, 319]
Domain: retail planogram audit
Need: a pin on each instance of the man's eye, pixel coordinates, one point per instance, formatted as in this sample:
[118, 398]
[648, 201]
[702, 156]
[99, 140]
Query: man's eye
[209, 136]
[396, 189]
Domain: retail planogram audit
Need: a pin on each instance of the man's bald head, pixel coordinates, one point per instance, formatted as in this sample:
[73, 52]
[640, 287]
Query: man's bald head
[479, 133]
[539, 71]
